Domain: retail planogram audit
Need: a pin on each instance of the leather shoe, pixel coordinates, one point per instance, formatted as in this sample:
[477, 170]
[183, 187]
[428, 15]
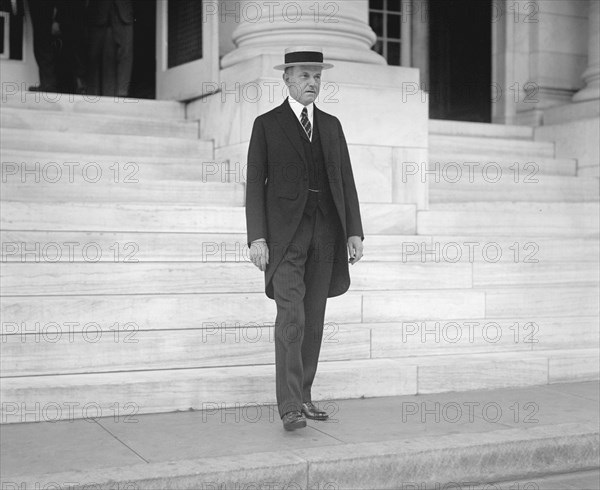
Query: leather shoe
[312, 412]
[293, 420]
[40, 88]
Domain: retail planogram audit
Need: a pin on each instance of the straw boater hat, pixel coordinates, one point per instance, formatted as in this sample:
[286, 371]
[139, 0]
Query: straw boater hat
[304, 56]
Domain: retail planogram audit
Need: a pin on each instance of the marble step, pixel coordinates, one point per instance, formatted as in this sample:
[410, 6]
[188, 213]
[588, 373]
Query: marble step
[90, 348]
[76, 123]
[510, 249]
[542, 188]
[514, 166]
[463, 128]
[153, 312]
[132, 217]
[548, 301]
[89, 351]
[231, 309]
[106, 144]
[31, 166]
[154, 391]
[521, 274]
[14, 97]
[135, 190]
[496, 302]
[68, 246]
[524, 148]
[197, 277]
[525, 207]
[488, 371]
[510, 219]
[589, 172]
[461, 336]
[387, 219]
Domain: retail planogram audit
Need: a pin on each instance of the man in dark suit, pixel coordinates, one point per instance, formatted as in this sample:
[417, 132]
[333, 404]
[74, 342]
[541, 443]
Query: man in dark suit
[303, 219]
[71, 17]
[45, 43]
[111, 29]
[59, 40]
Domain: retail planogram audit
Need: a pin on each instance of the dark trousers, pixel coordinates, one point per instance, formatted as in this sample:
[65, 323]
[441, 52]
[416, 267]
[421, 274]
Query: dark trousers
[300, 285]
[110, 57]
[44, 43]
[72, 20]
[60, 59]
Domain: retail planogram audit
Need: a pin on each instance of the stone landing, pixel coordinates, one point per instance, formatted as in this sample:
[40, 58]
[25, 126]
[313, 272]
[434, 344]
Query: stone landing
[471, 438]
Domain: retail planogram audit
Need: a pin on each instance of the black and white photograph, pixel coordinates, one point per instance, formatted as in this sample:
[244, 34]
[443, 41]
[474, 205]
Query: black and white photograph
[300, 244]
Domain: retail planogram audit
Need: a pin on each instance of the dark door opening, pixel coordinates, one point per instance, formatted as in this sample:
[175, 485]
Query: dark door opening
[460, 60]
[143, 75]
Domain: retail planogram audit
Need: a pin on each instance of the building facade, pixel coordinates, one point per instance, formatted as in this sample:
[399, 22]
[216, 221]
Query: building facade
[472, 127]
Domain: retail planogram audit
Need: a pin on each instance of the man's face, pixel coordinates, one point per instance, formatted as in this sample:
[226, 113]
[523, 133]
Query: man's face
[303, 82]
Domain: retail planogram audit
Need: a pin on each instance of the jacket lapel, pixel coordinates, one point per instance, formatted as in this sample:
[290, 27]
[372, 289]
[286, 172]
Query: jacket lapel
[324, 132]
[287, 120]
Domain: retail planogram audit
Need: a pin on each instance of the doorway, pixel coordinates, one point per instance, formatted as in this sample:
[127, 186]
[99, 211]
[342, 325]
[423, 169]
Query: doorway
[460, 60]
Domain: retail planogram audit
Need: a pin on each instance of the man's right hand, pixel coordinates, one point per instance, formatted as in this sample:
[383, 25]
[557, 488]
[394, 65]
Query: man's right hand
[259, 253]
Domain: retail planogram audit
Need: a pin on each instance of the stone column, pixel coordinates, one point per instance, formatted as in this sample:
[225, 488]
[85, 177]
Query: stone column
[591, 75]
[267, 27]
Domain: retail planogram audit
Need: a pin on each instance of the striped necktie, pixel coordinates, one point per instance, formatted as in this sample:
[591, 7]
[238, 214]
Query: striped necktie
[306, 122]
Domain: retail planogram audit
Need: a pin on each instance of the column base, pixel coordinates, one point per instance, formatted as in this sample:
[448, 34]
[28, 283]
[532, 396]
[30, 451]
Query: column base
[589, 93]
[572, 112]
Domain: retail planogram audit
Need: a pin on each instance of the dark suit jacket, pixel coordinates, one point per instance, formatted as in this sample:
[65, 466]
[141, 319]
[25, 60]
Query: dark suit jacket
[98, 11]
[277, 187]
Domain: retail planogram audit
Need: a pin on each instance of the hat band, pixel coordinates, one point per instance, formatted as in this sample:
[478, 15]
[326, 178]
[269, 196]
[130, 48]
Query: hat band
[304, 57]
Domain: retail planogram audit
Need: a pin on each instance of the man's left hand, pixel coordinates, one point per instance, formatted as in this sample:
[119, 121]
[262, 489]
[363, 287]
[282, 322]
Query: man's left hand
[355, 249]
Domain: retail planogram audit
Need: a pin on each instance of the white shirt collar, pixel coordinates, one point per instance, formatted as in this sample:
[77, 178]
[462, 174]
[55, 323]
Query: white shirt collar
[297, 108]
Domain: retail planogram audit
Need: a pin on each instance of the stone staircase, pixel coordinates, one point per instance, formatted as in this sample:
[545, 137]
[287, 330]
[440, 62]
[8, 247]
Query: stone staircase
[126, 285]
[532, 225]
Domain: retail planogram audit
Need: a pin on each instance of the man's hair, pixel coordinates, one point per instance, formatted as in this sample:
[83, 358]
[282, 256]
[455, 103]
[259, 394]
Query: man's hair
[287, 73]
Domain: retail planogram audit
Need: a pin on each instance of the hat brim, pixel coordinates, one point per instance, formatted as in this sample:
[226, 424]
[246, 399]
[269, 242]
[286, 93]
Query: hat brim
[323, 66]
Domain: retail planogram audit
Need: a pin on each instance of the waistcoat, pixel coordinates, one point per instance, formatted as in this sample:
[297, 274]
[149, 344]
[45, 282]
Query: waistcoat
[317, 172]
